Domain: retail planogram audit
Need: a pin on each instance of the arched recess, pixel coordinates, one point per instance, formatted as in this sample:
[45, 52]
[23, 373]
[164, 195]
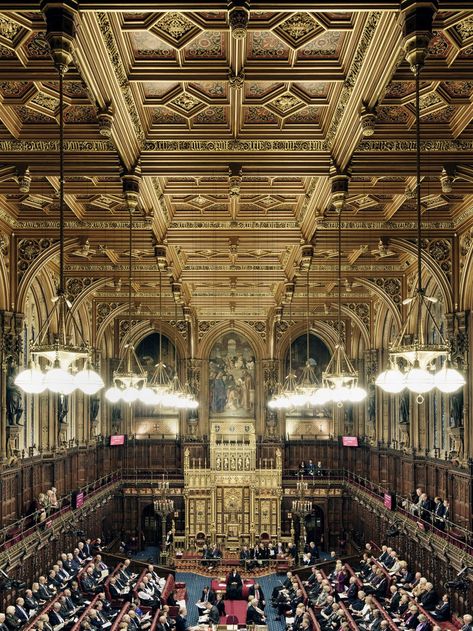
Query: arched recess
[107, 321]
[145, 327]
[37, 266]
[256, 405]
[204, 348]
[430, 267]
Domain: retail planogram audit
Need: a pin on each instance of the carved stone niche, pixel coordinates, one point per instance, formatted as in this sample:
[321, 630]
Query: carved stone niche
[457, 434]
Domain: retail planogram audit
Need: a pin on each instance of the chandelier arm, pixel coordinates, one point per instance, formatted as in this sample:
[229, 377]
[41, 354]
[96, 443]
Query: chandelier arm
[307, 317]
[45, 326]
[340, 275]
[428, 308]
[402, 332]
[160, 318]
[60, 289]
[418, 182]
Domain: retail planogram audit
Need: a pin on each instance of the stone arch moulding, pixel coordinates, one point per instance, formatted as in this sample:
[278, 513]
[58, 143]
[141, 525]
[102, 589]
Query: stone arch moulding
[465, 290]
[208, 341]
[35, 268]
[387, 302]
[327, 334]
[431, 266]
[141, 330]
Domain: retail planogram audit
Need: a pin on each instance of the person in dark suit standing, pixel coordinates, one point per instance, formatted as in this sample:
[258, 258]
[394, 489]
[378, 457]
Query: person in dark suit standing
[256, 592]
[234, 585]
[254, 615]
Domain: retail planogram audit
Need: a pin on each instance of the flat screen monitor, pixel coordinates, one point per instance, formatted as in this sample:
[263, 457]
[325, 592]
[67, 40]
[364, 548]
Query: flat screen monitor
[117, 439]
[350, 441]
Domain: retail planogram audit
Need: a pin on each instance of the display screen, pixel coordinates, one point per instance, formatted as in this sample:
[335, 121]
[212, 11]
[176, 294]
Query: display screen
[390, 501]
[77, 499]
[350, 441]
[117, 440]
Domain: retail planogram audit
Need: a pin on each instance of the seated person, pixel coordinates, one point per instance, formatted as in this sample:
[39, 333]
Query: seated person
[220, 604]
[442, 612]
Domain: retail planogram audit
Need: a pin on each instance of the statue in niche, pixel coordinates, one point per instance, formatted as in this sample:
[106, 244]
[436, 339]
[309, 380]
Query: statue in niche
[456, 409]
[94, 407]
[225, 463]
[218, 463]
[372, 404]
[404, 408]
[14, 399]
[240, 464]
[232, 463]
[247, 463]
[271, 421]
[62, 408]
[116, 417]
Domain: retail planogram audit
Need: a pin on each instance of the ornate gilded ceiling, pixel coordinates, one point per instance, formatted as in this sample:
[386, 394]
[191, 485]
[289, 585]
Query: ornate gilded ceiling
[235, 139]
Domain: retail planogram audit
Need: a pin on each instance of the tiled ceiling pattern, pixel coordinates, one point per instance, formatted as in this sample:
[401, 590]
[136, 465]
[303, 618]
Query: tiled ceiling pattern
[278, 105]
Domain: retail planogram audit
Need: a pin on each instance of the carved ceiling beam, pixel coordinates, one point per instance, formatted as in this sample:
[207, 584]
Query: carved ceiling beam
[105, 75]
[71, 202]
[222, 5]
[373, 65]
[327, 72]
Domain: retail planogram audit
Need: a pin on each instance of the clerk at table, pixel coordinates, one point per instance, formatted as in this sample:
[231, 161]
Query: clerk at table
[234, 586]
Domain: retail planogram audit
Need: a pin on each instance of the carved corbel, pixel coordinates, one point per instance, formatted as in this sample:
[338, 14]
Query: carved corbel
[234, 179]
[339, 186]
[417, 30]
[131, 187]
[368, 118]
[60, 30]
[238, 17]
[307, 254]
[160, 254]
[105, 119]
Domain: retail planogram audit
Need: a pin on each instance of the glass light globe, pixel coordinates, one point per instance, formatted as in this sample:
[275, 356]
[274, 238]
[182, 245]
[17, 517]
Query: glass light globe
[419, 380]
[340, 394]
[113, 394]
[31, 380]
[147, 396]
[391, 380]
[89, 381]
[194, 404]
[357, 394]
[319, 397]
[448, 379]
[324, 395]
[60, 381]
[130, 394]
[272, 404]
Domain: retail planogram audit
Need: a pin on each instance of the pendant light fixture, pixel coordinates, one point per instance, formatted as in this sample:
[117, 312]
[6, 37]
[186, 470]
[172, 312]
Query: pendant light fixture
[129, 379]
[308, 384]
[340, 379]
[412, 358]
[287, 397]
[61, 354]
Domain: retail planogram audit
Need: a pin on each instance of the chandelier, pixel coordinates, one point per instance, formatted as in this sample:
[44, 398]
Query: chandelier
[340, 379]
[129, 379]
[61, 373]
[412, 358]
[162, 505]
[301, 506]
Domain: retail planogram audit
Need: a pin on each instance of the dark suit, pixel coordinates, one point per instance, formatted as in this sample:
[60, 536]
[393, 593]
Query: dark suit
[21, 614]
[31, 604]
[211, 597]
[257, 594]
[55, 618]
[181, 623]
[253, 616]
[429, 600]
[394, 603]
[13, 622]
[214, 615]
[44, 593]
[234, 586]
[442, 612]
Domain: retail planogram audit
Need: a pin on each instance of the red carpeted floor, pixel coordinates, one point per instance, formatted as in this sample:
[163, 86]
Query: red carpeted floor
[235, 608]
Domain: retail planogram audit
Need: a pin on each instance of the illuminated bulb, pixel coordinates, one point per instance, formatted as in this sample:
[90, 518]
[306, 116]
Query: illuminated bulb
[391, 380]
[88, 381]
[448, 379]
[130, 395]
[31, 380]
[60, 381]
[419, 380]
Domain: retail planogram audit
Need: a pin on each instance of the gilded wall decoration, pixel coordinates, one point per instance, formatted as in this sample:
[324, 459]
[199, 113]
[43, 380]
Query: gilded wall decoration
[28, 251]
[392, 287]
[232, 368]
[205, 326]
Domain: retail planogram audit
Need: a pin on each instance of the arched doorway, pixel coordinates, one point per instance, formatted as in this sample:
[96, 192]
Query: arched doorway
[151, 526]
[314, 524]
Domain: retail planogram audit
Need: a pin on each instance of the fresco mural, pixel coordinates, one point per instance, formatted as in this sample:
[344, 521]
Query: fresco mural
[232, 377]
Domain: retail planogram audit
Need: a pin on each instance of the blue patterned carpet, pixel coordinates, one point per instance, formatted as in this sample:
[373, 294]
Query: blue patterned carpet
[196, 583]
